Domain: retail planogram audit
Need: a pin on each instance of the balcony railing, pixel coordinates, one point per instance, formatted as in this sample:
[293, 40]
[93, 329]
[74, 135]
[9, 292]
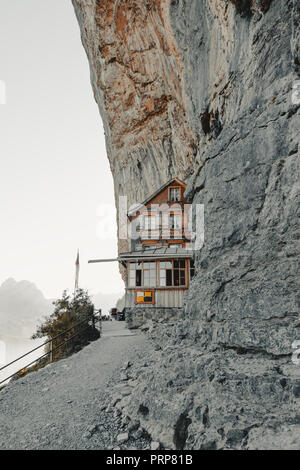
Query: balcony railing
[164, 234]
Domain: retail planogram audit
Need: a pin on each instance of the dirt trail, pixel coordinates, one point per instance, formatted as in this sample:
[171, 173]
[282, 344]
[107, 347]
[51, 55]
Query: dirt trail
[64, 406]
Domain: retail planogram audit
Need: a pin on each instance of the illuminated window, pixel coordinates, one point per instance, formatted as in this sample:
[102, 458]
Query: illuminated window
[145, 297]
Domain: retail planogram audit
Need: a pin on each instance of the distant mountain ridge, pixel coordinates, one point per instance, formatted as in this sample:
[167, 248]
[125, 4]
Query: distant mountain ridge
[22, 307]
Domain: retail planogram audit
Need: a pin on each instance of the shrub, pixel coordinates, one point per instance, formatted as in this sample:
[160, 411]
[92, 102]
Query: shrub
[68, 312]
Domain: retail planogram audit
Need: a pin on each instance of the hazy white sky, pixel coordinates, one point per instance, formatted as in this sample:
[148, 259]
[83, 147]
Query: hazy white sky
[54, 172]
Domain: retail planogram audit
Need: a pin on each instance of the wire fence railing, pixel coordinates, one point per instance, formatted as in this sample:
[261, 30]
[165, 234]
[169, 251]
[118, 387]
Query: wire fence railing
[91, 318]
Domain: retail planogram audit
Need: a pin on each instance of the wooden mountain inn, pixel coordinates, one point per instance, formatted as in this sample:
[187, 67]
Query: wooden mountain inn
[159, 266]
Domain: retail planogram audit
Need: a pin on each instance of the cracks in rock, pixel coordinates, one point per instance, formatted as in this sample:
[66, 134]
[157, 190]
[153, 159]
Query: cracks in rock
[234, 138]
[233, 179]
[224, 149]
[264, 126]
[293, 315]
[142, 51]
[293, 111]
[205, 417]
[181, 431]
[294, 150]
[260, 210]
[149, 82]
[160, 107]
[241, 350]
[246, 433]
[221, 288]
[127, 70]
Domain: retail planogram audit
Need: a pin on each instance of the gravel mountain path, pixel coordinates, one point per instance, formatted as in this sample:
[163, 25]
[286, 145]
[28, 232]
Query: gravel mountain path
[68, 404]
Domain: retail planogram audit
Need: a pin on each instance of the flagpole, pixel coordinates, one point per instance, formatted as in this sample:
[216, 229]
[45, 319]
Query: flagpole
[77, 266]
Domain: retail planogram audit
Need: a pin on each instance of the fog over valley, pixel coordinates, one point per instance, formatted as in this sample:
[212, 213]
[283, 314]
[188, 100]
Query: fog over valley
[22, 308]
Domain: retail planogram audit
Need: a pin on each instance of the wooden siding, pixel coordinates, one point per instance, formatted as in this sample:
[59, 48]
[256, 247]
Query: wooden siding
[163, 298]
[163, 198]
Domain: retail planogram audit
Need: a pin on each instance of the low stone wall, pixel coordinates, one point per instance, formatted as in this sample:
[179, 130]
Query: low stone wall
[138, 316]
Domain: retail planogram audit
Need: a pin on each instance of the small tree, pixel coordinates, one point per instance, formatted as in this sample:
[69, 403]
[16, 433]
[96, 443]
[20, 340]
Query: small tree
[68, 312]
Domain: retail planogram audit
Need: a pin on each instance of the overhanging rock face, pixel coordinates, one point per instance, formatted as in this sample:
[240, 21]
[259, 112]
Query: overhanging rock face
[137, 77]
[203, 91]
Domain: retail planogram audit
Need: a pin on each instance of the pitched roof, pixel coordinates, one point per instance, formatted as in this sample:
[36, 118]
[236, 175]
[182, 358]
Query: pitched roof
[168, 183]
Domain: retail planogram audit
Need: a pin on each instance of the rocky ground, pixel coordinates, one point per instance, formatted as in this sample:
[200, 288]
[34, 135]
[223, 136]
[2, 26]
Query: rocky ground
[75, 403]
[138, 390]
[214, 398]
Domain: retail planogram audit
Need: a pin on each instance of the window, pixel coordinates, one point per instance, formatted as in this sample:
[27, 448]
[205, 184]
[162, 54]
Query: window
[138, 276]
[172, 273]
[165, 274]
[175, 221]
[142, 274]
[149, 272]
[135, 275]
[145, 297]
[179, 272]
[175, 226]
[149, 222]
[149, 227]
[131, 276]
[174, 194]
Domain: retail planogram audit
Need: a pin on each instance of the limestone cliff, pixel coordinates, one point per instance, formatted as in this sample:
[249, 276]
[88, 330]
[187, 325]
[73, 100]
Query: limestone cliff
[202, 89]
[137, 77]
